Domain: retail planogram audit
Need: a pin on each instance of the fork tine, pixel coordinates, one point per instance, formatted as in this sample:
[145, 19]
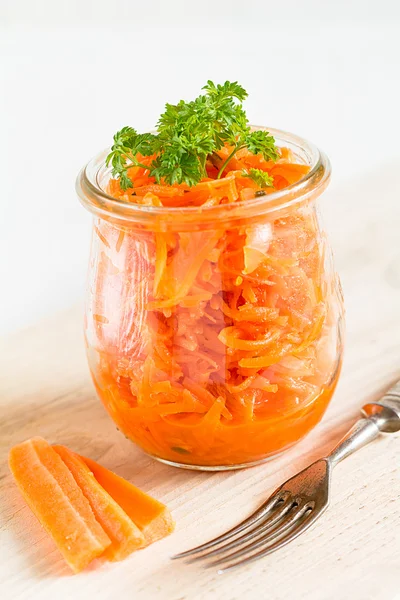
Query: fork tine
[300, 525]
[263, 525]
[277, 532]
[261, 512]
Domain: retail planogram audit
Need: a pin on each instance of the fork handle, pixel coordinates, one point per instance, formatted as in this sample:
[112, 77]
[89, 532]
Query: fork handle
[362, 432]
[379, 416]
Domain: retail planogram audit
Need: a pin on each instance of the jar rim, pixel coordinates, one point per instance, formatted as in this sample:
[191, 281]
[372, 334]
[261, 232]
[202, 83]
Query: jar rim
[311, 185]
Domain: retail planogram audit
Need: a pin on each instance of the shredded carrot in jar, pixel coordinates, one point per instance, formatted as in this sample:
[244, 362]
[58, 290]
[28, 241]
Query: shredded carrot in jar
[214, 347]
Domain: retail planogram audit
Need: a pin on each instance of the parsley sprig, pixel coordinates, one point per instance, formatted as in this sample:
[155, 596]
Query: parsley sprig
[260, 177]
[188, 135]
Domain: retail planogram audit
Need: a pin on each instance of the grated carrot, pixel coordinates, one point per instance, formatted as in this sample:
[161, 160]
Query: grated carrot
[222, 310]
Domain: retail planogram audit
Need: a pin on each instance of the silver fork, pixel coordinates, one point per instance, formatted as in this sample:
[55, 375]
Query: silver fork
[298, 503]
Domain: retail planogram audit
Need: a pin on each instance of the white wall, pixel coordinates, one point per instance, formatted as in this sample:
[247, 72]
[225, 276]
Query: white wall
[74, 72]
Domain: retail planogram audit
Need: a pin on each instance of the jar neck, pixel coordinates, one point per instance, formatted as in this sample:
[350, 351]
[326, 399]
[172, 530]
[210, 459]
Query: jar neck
[94, 178]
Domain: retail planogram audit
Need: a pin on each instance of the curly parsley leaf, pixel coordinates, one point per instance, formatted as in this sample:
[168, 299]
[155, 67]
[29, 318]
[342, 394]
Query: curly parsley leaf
[261, 142]
[127, 145]
[261, 178]
[227, 90]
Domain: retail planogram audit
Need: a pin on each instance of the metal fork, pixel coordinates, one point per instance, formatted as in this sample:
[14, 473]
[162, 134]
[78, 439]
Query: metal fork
[298, 503]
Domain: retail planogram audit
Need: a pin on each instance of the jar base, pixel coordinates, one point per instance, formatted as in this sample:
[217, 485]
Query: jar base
[214, 468]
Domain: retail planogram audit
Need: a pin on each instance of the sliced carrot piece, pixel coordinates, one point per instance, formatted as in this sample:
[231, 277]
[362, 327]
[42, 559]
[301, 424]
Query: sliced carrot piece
[151, 516]
[125, 536]
[55, 498]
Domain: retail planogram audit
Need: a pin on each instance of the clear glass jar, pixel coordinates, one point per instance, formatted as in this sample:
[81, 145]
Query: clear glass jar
[237, 356]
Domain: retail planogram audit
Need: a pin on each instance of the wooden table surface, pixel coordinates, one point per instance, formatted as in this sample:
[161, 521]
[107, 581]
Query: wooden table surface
[354, 549]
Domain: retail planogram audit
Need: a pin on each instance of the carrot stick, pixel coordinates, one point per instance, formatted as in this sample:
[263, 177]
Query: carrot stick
[124, 534]
[151, 516]
[55, 498]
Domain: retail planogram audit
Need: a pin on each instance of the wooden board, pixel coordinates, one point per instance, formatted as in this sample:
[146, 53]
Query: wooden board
[352, 552]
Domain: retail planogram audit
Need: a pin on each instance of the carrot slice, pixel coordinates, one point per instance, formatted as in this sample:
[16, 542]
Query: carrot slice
[55, 498]
[124, 534]
[151, 516]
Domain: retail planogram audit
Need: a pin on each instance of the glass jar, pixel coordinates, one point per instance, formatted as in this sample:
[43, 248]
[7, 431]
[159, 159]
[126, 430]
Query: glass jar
[233, 354]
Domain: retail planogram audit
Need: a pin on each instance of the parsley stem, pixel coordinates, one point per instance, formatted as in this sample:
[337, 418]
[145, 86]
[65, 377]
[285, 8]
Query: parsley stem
[203, 160]
[232, 154]
[135, 163]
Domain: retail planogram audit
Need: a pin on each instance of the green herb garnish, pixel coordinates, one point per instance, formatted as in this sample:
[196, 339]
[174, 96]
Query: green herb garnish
[261, 178]
[188, 135]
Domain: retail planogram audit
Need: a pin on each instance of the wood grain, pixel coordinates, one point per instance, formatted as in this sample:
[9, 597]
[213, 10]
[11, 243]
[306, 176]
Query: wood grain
[352, 552]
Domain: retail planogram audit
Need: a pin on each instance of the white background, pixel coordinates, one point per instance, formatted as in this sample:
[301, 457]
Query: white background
[74, 72]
